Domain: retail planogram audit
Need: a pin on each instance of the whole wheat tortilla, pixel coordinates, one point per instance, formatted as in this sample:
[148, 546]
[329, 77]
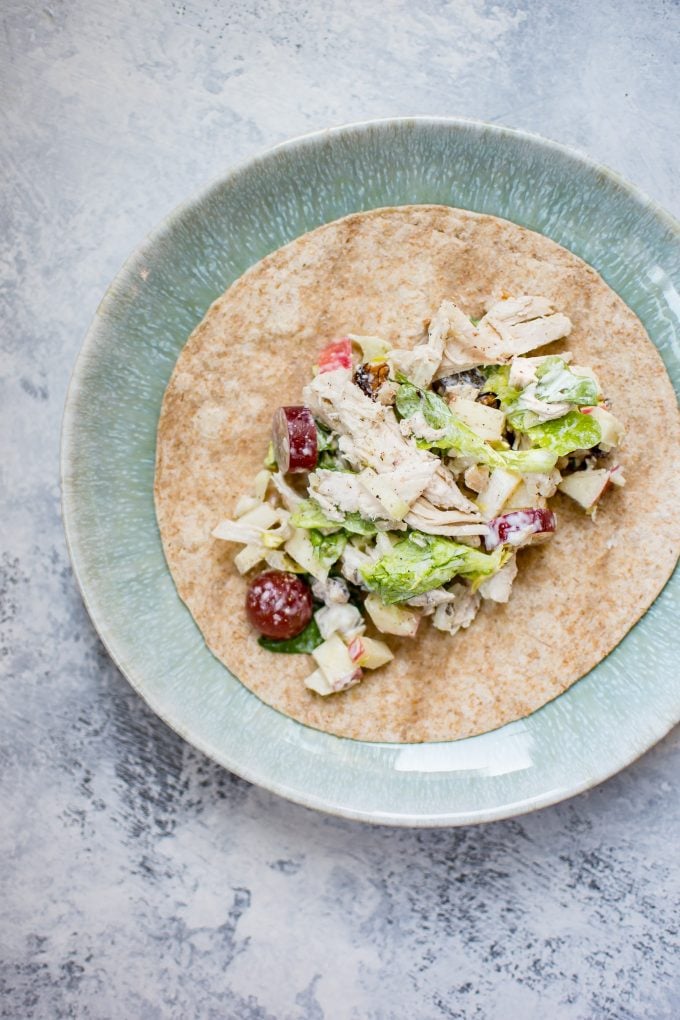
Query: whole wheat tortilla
[385, 272]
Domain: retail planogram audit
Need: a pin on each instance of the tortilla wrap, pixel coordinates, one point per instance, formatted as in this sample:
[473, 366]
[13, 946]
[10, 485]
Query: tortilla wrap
[385, 272]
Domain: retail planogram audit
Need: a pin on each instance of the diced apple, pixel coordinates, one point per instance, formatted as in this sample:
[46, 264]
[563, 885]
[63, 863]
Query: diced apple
[301, 549]
[611, 428]
[498, 491]
[248, 529]
[260, 483]
[487, 422]
[373, 348]
[392, 619]
[318, 683]
[335, 355]
[369, 653]
[334, 662]
[248, 558]
[586, 487]
[261, 516]
[520, 526]
[245, 504]
[477, 477]
[279, 560]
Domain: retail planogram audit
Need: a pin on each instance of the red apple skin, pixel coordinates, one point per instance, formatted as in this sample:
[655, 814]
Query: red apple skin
[518, 526]
[335, 355]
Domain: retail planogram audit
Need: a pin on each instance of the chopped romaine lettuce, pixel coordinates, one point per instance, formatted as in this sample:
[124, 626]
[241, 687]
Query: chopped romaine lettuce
[310, 515]
[309, 639]
[324, 439]
[328, 548]
[557, 384]
[462, 439]
[573, 431]
[421, 562]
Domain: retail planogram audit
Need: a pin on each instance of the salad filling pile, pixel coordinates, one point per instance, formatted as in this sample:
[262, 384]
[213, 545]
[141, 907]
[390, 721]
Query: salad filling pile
[404, 484]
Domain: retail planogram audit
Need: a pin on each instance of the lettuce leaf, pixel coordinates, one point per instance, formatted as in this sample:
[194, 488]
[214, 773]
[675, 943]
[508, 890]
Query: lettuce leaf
[309, 639]
[421, 562]
[462, 439]
[557, 384]
[498, 382]
[573, 431]
[328, 548]
[310, 515]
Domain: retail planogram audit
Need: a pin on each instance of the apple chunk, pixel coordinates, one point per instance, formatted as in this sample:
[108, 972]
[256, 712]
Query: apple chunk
[487, 422]
[520, 526]
[497, 492]
[586, 487]
[392, 619]
[611, 428]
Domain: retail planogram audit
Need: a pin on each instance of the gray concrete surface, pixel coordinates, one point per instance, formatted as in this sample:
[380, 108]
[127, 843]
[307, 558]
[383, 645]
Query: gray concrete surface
[138, 880]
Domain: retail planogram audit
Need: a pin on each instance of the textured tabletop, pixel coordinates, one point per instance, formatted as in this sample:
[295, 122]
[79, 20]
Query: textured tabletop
[138, 879]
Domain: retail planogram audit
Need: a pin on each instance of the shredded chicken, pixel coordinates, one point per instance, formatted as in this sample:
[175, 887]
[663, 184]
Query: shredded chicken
[429, 519]
[452, 616]
[369, 436]
[497, 587]
[443, 491]
[429, 601]
[333, 591]
[460, 339]
[510, 327]
[516, 325]
[289, 497]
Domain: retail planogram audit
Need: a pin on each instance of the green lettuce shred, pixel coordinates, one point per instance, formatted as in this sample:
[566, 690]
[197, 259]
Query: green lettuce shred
[573, 431]
[421, 562]
[310, 515]
[462, 439]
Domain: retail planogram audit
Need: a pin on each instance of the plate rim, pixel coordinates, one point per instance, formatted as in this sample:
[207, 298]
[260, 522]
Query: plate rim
[68, 455]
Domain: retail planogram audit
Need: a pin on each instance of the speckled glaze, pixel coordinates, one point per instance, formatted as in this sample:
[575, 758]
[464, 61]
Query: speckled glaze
[603, 722]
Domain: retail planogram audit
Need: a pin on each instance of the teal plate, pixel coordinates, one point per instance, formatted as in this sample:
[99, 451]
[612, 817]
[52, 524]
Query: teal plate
[601, 723]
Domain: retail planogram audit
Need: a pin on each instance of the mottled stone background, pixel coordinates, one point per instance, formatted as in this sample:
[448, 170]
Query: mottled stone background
[138, 880]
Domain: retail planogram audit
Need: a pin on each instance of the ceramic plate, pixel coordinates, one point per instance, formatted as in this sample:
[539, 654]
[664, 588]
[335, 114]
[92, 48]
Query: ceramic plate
[601, 723]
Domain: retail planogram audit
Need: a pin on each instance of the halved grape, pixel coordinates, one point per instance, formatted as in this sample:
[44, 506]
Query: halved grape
[279, 604]
[294, 438]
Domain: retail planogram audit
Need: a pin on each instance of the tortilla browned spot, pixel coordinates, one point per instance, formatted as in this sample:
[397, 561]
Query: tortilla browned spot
[385, 272]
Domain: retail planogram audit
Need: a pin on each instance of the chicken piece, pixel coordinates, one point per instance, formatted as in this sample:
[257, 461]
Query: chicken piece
[497, 587]
[460, 340]
[516, 325]
[332, 592]
[369, 434]
[511, 327]
[452, 616]
[421, 364]
[343, 491]
[450, 523]
[443, 491]
[289, 497]
[417, 427]
[430, 600]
